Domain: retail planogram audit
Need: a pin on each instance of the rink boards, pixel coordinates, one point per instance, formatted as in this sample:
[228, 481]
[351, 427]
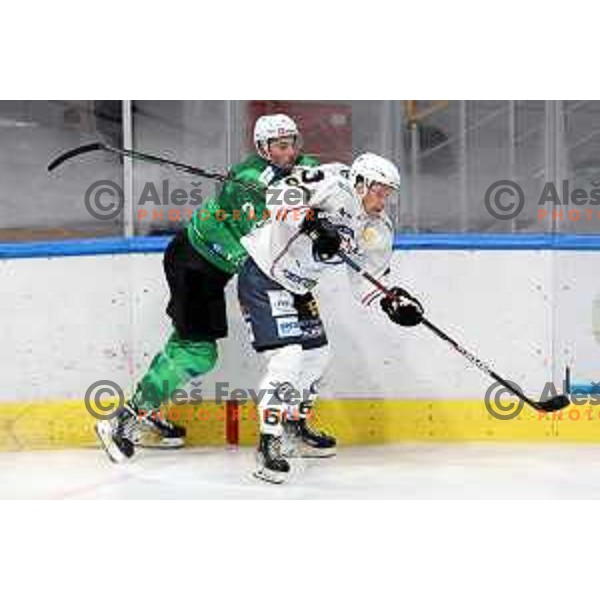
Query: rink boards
[68, 321]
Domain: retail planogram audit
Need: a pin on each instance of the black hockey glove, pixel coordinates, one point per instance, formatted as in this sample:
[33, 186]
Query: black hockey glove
[407, 314]
[324, 234]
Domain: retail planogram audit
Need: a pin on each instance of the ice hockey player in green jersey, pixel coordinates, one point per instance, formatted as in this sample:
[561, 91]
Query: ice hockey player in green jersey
[198, 264]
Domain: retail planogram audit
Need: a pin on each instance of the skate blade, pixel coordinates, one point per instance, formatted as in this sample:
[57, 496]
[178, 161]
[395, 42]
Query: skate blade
[103, 433]
[270, 476]
[317, 453]
[154, 441]
[305, 451]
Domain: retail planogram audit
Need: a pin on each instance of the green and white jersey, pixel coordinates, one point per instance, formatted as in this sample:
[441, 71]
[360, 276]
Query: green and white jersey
[216, 228]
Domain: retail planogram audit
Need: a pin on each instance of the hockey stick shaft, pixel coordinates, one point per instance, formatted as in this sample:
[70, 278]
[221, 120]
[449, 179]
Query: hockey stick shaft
[143, 156]
[481, 365]
[477, 362]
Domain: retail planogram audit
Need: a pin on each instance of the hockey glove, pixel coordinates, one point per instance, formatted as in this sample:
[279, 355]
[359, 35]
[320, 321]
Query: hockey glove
[324, 234]
[403, 310]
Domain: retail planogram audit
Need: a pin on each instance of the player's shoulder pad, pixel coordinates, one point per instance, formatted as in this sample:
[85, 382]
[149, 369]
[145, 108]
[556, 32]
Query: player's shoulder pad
[335, 168]
[335, 186]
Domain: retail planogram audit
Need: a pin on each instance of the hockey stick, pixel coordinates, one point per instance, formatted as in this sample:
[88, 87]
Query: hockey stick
[95, 146]
[552, 404]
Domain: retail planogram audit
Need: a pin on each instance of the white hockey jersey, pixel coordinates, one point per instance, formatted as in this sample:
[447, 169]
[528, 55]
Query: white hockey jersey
[285, 254]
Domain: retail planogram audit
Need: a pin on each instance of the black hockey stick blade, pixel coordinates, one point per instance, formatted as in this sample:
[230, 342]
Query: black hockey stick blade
[553, 404]
[69, 154]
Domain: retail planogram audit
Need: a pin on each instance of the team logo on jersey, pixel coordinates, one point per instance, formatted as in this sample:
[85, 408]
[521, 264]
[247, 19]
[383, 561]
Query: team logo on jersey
[369, 235]
[288, 327]
[282, 303]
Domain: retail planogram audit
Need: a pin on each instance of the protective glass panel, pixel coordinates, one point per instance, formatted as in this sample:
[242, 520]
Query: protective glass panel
[36, 205]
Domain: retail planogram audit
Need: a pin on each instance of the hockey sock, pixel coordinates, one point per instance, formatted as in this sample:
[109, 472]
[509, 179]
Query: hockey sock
[178, 362]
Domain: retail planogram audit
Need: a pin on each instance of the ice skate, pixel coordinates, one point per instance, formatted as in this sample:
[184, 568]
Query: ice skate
[306, 442]
[118, 435]
[158, 432]
[272, 466]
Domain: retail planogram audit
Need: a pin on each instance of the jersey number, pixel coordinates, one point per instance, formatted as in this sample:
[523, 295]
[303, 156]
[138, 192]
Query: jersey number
[305, 177]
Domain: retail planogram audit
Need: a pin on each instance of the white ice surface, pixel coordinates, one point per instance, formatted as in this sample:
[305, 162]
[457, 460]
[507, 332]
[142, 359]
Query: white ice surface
[412, 471]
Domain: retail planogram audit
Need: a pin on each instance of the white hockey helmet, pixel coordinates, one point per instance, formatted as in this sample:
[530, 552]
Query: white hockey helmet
[272, 127]
[371, 168]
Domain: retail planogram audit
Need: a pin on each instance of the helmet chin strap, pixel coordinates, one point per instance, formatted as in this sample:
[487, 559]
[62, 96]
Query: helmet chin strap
[361, 196]
[365, 189]
[263, 150]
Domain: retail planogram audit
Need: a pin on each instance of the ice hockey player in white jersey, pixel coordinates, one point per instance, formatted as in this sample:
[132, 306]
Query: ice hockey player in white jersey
[314, 213]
